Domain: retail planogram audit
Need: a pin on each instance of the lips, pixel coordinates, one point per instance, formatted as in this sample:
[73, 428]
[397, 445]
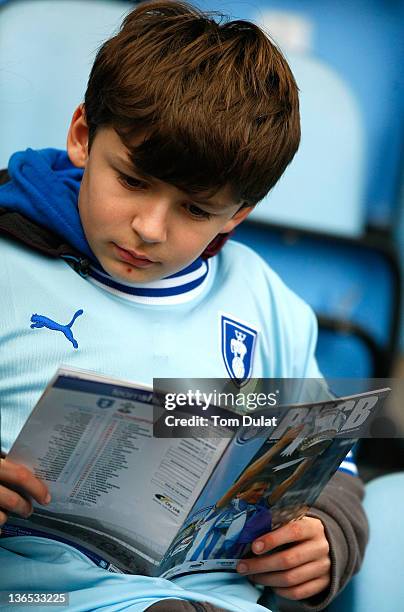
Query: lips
[133, 257]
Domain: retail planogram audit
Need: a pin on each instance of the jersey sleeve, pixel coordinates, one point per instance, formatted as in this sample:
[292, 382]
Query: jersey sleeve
[348, 465]
[306, 334]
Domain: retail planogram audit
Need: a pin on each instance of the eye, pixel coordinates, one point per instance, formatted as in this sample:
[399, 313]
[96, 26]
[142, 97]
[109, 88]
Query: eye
[130, 182]
[197, 212]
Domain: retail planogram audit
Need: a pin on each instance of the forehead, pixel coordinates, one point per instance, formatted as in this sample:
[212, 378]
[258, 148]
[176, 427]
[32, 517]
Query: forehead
[109, 145]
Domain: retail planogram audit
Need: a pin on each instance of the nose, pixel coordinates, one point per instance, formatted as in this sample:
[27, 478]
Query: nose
[150, 221]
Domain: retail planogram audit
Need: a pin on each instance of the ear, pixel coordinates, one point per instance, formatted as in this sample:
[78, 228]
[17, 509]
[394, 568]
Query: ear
[237, 218]
[77, 138]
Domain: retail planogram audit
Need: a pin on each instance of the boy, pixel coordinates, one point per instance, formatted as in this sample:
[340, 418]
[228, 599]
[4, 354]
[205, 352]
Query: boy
[186, 125]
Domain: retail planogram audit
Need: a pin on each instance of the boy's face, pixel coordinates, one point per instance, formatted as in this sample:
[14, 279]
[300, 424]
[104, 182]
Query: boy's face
[141, 229]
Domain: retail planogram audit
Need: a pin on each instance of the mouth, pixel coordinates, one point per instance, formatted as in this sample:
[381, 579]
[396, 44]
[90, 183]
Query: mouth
[138, 260]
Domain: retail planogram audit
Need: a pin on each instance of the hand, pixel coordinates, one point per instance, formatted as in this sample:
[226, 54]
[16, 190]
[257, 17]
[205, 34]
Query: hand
[300, 571]
[18, 476]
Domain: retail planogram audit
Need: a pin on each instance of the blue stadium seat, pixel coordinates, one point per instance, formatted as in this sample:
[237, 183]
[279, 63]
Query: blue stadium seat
[352, 285]
[47, 48]
[328, 171]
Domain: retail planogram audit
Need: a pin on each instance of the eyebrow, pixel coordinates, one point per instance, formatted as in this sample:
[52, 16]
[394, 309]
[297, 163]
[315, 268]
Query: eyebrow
[131, 167]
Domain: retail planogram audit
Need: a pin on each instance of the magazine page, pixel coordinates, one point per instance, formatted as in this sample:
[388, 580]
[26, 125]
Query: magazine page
[266, 478]
[113, 484]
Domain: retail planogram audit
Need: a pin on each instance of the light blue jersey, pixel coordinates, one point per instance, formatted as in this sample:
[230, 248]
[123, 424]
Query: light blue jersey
[230, 316]
[186, 326]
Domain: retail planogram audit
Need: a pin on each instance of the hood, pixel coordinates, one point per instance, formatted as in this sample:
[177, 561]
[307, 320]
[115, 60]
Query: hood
[43, 187]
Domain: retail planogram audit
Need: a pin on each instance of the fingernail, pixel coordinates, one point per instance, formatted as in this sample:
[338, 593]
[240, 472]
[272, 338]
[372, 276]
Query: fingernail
[47, 499]
[242, 568]
[258, 546]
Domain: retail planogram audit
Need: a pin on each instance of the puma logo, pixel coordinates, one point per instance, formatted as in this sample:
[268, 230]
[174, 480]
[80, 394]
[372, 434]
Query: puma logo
[41, 321]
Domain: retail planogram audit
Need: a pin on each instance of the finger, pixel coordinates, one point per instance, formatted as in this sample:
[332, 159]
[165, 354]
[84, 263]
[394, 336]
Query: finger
[295, 576]
[3, 517]
[286, 559]
[296, 531]
[303, 591]
[19, 476]
[13, 502]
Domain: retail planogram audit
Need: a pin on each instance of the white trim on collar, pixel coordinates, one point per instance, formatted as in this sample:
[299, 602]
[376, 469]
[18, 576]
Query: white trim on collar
[176, 289]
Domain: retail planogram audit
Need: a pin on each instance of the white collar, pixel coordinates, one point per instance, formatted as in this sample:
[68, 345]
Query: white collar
[178, 288]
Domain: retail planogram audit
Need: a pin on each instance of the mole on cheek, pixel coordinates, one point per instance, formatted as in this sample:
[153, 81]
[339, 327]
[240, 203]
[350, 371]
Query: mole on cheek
[129, 270]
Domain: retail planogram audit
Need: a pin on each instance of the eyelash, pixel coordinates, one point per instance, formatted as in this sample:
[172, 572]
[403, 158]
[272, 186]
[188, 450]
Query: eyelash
[127, 180]
[131, 183]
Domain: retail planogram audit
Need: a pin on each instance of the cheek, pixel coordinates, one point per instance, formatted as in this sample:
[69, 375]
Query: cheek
[98, 208]
[84, 210]
[87, 198]
[196, 239]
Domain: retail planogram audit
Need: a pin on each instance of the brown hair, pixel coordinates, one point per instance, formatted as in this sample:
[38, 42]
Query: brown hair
[216, 100]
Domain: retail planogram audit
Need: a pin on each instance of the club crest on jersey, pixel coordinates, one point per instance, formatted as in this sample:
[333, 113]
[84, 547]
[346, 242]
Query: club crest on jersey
[238, 343]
